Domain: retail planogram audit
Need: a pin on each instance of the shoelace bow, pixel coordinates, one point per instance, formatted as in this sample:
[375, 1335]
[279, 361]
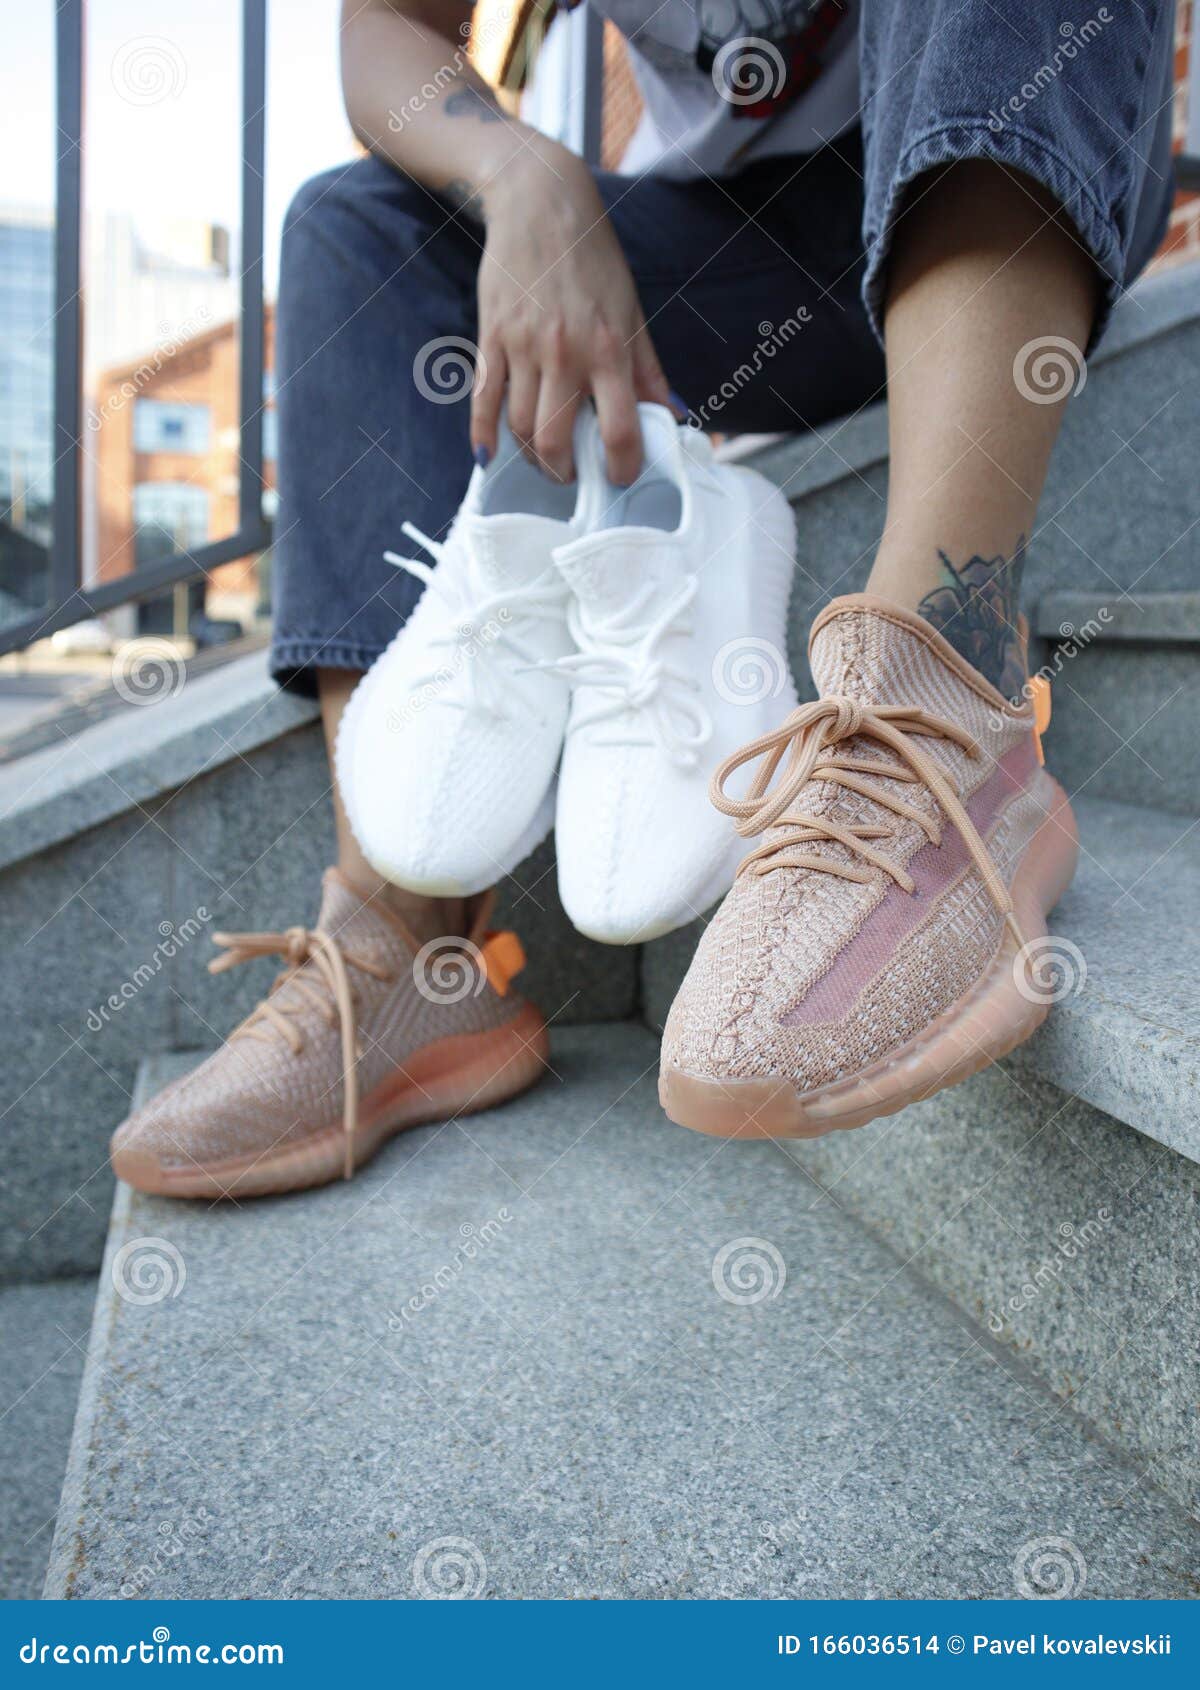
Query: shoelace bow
[487, 680]
[333, 996]
[807, 739]
[620, 660]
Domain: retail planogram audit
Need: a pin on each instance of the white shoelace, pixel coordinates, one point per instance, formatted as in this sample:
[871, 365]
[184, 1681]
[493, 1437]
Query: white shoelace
[657, 699]
[485, 632]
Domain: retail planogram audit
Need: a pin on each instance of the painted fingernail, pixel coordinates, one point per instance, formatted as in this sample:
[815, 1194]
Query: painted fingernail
[482, 456]
[678, 405]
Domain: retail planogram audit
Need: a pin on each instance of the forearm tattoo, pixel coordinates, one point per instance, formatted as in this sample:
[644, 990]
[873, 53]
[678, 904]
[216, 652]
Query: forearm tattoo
[469, 101]
[975, 608]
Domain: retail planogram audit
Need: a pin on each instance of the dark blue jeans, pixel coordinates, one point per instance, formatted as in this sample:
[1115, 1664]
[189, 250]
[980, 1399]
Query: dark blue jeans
[763, 293]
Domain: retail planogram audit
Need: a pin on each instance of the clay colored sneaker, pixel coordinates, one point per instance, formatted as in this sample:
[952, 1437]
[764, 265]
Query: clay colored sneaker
[886, 938]
[363, 1034]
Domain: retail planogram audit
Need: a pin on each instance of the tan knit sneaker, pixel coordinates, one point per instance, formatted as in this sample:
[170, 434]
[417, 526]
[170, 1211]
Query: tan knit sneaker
[887, 937]
[365, 1032]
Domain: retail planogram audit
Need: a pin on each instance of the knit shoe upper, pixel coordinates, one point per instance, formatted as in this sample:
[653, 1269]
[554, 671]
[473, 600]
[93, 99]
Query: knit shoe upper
[892, 816]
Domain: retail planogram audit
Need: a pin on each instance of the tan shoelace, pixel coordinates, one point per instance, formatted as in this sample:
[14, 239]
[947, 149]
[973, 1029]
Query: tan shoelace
[807, 738]
[333, 996]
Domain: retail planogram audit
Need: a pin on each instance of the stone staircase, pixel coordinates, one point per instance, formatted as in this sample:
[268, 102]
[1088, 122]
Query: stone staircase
[955, 1353]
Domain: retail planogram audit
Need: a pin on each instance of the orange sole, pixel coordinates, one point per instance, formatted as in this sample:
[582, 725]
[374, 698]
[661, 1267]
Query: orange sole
[454, 1076]
[987, 1022]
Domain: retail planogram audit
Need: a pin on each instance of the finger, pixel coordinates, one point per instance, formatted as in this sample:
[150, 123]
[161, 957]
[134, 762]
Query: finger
[558, 401]
[487, 396]
[524, 379]
[616, 412]
[649, 382]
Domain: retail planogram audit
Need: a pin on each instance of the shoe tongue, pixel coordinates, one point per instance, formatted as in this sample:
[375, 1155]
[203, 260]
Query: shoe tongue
[509, 550]
[360, 925]
[861, 652]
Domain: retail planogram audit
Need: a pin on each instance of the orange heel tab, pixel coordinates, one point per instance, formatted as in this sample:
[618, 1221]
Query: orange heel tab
[503, 960]
[1039, 693]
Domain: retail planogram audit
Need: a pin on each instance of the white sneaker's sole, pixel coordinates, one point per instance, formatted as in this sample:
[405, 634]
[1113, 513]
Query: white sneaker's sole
[986, 1023]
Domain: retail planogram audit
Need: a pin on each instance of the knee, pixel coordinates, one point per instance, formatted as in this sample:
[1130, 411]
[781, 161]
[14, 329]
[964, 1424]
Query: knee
[325, 198]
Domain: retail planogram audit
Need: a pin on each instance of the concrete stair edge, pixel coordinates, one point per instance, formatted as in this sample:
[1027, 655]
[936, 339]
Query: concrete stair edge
[823, 1540]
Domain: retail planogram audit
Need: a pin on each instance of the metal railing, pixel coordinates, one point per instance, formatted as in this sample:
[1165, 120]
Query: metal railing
[68, 599]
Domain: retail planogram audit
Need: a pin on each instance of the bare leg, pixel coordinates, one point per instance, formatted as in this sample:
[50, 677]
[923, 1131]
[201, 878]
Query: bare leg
[984, 270]
[428, 918]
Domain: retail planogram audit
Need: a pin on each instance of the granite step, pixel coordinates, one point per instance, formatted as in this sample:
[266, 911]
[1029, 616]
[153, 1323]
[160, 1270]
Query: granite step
[44, 1331]
[568, 1349]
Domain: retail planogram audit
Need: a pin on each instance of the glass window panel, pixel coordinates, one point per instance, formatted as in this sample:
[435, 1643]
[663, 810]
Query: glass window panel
[27, 310]
[161, 274]
[160, 425]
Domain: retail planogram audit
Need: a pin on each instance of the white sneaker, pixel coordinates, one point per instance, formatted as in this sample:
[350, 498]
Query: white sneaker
[446, 752]
[679, 596]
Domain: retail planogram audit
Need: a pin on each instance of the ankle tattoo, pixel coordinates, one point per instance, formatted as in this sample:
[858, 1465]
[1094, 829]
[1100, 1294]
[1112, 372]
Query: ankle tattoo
[974, 607]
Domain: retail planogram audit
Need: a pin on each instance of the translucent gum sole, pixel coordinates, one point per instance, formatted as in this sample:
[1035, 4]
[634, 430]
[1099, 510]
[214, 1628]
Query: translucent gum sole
[987, 1022]
[454, 1076]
